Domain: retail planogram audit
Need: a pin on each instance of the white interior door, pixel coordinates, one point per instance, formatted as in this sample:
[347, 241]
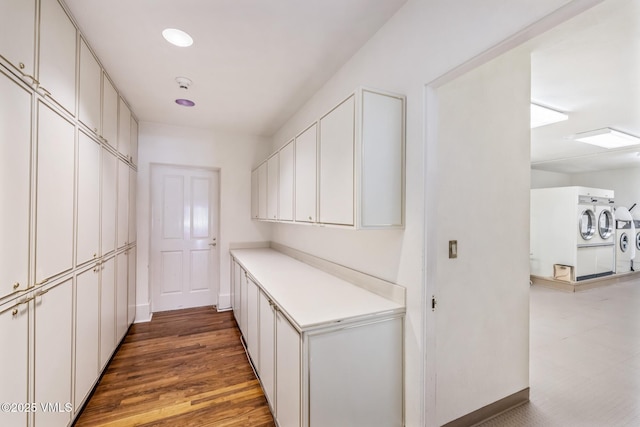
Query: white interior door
[184, 246]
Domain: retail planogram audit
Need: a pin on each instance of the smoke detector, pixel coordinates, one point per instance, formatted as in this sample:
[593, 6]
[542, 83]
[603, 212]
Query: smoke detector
[183, 82]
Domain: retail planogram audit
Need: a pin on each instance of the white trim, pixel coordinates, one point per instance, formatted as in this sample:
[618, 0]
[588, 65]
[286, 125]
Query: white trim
[143, 313]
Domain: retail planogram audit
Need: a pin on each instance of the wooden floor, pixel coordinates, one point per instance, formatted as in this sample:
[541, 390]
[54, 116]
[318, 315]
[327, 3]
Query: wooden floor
[184, 368]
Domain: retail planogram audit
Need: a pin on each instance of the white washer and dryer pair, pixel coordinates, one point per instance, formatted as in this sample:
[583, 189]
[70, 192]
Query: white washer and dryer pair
[636, 222]
[626, 240]
[596, 237]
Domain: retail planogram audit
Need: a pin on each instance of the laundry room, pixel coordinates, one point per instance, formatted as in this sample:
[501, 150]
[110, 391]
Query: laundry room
[585, 158]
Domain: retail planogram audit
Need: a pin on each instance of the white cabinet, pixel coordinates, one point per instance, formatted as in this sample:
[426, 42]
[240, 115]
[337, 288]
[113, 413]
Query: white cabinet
[57, 66]
[348, 167]
[87, 332]
[131, 286]
[15, 178]
[244, 303]
[54, 203]
[109, 112]
[122, 294]
[262, 191]
[107, 310]
[124, 129]
[109, 206]
[336, 147]
[253, 343]
[254, 194]
[53, 345]
[236, 300]
[123, 204]
[266, 347]
[14, 360]
[88, 217]
[134, 141]
[17, 35]
[305, 175]
[132, 207]
[285, 183]
[273, 169]
[288, 374]
[329, 353]
[89, 107]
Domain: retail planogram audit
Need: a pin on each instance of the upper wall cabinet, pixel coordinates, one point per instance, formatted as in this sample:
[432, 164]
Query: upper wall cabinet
[285, 183]
[109, 112]
[134, 141]
[262, 191]
[273, 165]
[17, 36]
[57, 67]
[124, 130]
[90, 85]
[254, 194]
[348, 167]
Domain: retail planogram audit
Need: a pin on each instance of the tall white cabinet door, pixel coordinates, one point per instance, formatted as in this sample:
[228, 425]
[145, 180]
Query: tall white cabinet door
[382, 153]
[285, 181]
[14, 359]
[88, 221]
[57, 68]
[267, 348]
[107, 311]
[90, 85]
[337, 164]
[53, 340]
[252, 322]
[254, 194]
[109, 201]
[244, 303]
[123, 204]
[237, 295]
[122, 294]
[262, 191]
[87, 333]
[54, 209]
[131, 286]
[273, 170]
[15, 172]
[288, 382]
[132, 207]
[17, 33]
[109, 112]
[305, 172]
[124, 129]
[134, 141]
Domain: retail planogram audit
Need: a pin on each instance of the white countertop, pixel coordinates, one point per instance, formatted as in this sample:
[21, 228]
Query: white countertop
[309, 296]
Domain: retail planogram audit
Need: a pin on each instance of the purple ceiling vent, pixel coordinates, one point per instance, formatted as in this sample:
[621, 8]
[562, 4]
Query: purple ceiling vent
[185, 102]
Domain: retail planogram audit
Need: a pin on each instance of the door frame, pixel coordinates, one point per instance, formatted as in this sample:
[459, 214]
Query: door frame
[431, 191]
[215, 286]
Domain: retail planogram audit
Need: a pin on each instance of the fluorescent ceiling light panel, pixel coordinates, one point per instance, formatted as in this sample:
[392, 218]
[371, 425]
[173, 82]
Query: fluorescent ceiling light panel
[177, 37]
[607, 138]
[541, 116]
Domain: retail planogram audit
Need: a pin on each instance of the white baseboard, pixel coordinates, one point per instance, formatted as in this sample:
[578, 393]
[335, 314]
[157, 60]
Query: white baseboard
[224, 302]
[143, 313]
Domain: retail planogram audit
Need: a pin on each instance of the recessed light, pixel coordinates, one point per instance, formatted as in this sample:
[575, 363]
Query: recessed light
[177, 37]
[541, 116]
[185, 102]
[607, 138]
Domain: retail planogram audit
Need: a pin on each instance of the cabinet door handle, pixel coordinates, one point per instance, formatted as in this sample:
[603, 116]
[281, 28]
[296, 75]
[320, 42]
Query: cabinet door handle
[46, 92]
[16, 285]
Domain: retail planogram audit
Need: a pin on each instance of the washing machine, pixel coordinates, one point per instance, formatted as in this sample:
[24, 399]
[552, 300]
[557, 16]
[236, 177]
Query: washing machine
[625, 240]
[636, 222]
[596, 237]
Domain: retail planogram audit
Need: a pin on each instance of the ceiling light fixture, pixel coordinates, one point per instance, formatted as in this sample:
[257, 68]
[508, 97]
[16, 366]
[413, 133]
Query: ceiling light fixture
[185, 102]
[177, 37]
[607, 138]
[541, 116]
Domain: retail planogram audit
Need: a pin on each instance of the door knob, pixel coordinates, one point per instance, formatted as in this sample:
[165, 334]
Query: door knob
[213, 244]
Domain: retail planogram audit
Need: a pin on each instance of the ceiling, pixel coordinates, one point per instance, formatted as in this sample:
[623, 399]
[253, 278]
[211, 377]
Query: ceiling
[588, 67]
[253, 62]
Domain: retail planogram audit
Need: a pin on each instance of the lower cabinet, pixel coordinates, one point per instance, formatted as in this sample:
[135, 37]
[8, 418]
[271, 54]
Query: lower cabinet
[14, 342]
[345, 372]
[107, 311]
[122, 293]
[53, 343]
[288, 375]
[87, 333]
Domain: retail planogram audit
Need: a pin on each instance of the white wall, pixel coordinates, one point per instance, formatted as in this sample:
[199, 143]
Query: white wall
[233, 155]
[423, 41]
[624, 182]
[545, 179]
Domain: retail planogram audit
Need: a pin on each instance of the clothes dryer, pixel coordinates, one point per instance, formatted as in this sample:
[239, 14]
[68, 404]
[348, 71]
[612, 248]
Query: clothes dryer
[636, 223]
[596, 237]
[625, 240]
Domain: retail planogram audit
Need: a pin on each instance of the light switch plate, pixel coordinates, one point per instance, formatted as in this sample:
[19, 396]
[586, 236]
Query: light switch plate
[453, 249]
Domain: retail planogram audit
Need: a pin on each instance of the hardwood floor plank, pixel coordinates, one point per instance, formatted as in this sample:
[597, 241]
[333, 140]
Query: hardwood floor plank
[184, 368]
